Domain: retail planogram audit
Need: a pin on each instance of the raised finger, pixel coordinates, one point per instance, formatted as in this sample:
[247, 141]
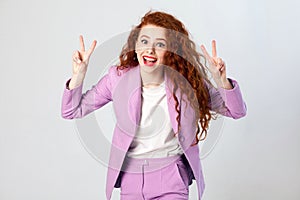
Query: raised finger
[82, 48]
[93, 45]
[214, 48]
[206, 55]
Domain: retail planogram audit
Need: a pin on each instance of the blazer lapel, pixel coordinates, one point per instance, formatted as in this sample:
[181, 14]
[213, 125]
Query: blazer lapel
[129, 106]
[135, 99]
[171, 102]
[188, 118]
[127, 101]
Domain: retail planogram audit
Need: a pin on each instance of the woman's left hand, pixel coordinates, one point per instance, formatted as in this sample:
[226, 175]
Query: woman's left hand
[217, 67]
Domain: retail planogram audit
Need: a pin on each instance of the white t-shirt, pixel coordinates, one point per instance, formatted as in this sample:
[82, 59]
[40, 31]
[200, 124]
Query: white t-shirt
[155, 136]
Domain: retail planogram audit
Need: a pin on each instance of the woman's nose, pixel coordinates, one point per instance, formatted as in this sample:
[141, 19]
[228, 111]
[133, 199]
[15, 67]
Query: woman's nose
[150, 49]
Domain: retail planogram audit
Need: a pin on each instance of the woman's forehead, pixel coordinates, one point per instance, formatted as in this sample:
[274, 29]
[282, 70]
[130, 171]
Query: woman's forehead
[153, 31]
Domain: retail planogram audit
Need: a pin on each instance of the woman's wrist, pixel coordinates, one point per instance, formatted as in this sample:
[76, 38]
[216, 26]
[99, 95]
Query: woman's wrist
[225, 84]
[76, 80]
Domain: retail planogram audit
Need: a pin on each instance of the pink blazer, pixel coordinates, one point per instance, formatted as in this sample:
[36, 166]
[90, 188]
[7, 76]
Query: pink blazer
[124, 89]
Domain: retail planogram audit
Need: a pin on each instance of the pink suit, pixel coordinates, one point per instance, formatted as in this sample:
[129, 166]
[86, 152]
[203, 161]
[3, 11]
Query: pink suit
[124, 89]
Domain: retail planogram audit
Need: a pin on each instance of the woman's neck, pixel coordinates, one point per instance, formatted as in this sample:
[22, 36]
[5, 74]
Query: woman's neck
[153, 78]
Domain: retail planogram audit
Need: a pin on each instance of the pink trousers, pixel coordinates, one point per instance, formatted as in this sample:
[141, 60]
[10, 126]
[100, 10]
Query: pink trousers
[156, 178]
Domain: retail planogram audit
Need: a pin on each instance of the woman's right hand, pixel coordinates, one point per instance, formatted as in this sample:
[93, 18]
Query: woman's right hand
[81, 57]
[80, 62]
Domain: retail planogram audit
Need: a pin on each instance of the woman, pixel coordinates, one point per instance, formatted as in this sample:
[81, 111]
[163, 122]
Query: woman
[161, 93]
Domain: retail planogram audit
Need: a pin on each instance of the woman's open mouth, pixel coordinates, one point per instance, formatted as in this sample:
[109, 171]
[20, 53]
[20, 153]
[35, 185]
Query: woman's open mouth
[149, 60]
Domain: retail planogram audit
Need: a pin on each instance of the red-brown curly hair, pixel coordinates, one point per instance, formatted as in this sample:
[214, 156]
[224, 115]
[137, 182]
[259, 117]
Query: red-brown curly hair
[181, 56]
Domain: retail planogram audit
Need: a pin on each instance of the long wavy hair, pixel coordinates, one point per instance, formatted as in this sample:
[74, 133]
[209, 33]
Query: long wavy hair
[181, 56]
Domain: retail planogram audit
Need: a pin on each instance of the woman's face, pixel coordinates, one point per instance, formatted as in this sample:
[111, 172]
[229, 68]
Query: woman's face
[150, 47]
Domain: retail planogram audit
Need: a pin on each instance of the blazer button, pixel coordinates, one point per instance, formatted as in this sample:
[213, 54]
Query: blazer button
[146, 162]
[181, 138]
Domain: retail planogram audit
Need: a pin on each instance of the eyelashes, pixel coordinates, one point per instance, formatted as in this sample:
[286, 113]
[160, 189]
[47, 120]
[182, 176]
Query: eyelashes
[144, 41]
[160, 44]
[156, 44]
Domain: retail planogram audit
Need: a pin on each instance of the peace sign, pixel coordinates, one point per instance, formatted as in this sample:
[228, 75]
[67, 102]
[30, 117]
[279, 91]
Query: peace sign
[81, 57]
[217, 66]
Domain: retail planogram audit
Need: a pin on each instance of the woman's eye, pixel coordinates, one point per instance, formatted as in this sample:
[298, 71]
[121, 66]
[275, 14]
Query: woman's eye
[143, 41]
[160, 44]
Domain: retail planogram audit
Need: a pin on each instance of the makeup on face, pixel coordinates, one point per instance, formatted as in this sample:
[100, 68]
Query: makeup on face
[151, 46]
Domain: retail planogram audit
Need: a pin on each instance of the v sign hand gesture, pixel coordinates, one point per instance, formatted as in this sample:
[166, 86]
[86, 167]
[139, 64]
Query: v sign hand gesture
[80, 62]
[217, 67]
[81, 57]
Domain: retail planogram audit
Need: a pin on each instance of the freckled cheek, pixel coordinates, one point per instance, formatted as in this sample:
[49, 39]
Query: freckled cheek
[139, 53]
[161, 55]
[138, 49]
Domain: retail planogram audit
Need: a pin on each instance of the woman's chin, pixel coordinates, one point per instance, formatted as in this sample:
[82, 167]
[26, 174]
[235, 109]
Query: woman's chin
[149, 68]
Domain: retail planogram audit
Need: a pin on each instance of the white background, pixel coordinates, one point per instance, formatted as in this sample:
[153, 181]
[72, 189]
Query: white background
[41, 156]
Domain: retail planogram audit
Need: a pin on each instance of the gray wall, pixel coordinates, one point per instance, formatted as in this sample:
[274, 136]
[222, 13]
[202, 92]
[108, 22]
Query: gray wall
[42, 155]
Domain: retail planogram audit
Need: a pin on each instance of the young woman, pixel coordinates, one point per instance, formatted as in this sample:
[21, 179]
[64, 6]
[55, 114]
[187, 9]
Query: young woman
[163, 103]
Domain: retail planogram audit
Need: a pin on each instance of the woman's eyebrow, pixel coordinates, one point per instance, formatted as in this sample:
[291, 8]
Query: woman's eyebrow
[155, 38]
[161, 39]
[145, 36]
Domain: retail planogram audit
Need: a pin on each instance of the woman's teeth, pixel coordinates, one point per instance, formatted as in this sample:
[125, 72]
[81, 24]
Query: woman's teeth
[149, 59]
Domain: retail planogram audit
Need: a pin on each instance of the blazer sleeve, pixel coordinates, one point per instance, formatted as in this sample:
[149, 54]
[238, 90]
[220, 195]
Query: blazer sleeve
[77, 105]
[229, 103]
